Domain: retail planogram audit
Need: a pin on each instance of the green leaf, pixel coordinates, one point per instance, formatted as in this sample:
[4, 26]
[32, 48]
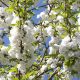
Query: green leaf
[73, 72]
[2, 70]
[70, 62]
[56, 77]
[13, 69]
[10, 9]
[15, 78]
[9, 47]
[61, 57]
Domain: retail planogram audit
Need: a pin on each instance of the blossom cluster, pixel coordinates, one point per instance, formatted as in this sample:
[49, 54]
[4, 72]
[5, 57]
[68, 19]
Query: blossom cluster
[20, 48]
[55, 41]
[64, 37]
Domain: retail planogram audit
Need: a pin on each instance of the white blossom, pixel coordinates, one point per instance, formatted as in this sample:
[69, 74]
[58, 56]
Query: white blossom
[65, 40]
[29, 23]
[74, 6]
[11, 53]
[5, 18]
[56, 46]
[2, 78]
[53, 65]
[52, 50]
[14, 31]
[54, 40]
[21, 38]
[50, 31]
[71, 21]
[15, 19]
[77, 36]
[63, 49]
[60, 30]
[45, 22]
[50, 1]
[42, 15]
[53, 13]
[22, 67]
[49, 61]
[4, 50]
[31, 77]
[18, 55]
[60, 18]
[10, 74]
[43, 68]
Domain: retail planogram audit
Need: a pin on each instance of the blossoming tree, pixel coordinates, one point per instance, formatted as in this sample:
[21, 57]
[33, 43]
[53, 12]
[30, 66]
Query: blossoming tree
[52, 46]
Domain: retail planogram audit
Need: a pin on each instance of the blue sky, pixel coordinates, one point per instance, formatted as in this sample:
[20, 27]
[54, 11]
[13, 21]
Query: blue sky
[34, 18]
[6, 40]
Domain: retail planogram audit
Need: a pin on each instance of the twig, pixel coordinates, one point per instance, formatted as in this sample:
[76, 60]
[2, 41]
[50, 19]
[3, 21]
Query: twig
[34, 8]
[43, 73]
[4, 3]
[53, 74]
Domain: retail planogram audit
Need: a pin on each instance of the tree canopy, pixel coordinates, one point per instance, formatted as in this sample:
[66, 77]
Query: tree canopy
[52, 46]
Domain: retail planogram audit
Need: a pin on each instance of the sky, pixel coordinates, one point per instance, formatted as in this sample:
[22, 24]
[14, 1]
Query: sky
[34, 18]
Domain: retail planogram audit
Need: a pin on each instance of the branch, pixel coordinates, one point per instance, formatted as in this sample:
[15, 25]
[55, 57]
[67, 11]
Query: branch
[4, 3]
[53, 74]
[35, 8]
[11, 0]
[43, 73]
[44, 54]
